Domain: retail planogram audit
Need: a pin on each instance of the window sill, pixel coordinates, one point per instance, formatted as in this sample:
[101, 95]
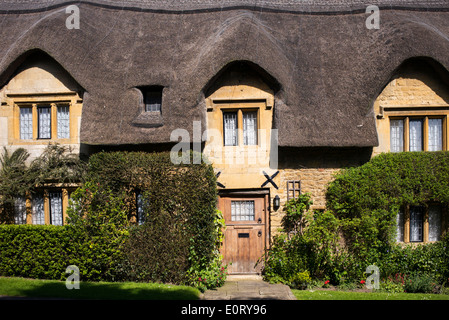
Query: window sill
[149, 119]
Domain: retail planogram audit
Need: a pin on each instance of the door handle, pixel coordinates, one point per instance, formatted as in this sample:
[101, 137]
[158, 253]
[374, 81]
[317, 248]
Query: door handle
[259, 220]
[259, 234]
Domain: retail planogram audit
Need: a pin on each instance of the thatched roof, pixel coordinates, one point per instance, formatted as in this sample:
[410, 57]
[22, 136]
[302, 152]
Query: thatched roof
[327, 66]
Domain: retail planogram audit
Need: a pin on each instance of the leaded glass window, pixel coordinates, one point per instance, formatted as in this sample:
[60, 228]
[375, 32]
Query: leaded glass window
[416, 134]
[26, 123]
[242, 210]
[434, 223]
[230, 128]
[55, 208]
[416, 223]
[63, 116]
[396, 135]
[20, 212]
[38, 209]
[435, 134]
[400, 227]
[250, 128]
[44, 122]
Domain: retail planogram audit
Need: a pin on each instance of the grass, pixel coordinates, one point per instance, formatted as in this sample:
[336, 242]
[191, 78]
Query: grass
[350, 295]
[32, 288]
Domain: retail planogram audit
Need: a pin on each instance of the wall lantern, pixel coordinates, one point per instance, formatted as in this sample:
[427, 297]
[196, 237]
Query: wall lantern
[276, 202]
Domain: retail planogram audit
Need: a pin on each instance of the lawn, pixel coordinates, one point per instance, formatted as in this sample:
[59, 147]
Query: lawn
[31, 288]
[353, 295]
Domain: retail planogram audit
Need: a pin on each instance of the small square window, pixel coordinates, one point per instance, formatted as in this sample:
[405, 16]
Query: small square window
[152, 99]
[293, 189]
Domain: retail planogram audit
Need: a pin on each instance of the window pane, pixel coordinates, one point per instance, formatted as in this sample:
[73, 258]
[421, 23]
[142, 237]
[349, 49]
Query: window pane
[20, 212]
[416, 135]
[56, 208]
[400, 227]
[44, 121]
[230, 128]
[416, 224]
[63, 122]
[153, 101]
[242, 210]
[250, 128]
[26, 123]
[397, 135]
[38, 209]
[435, 134]
[434, 223]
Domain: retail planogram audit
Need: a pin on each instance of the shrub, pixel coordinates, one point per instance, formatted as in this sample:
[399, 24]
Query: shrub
[420, 283]
[180, 232]
[367, 199]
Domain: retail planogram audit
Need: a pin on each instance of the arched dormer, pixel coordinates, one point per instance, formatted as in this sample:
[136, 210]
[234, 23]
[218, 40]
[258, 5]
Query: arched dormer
[40, 104]
[239, 108]
[412, 109]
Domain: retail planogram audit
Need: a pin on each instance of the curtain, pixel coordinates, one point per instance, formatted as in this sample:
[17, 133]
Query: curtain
[397, 135]
[416, 135]
[56, 208]
[435, 134]
[44, 120]
[230, 128]
[434, 223]
[38, 209]
[250, 128]
[242, 210]
[26, 123]
[63, 122]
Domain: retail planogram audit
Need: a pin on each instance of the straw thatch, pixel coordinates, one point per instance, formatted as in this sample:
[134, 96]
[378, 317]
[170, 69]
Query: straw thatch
[326, 67]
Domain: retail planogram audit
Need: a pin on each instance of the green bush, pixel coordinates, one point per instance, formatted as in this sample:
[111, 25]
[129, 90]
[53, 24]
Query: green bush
[178, 243]
[367, 199]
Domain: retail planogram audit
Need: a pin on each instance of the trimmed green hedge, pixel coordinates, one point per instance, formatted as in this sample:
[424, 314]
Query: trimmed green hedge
[44, 252]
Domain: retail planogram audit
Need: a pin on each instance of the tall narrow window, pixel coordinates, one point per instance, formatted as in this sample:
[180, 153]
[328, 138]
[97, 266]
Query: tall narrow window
[26, 123]
[38, 209]
[230, 128]
[416, 223]
[400, 227]
[397, 135]
[20, 213]
[435, 134]
[293, 189]
[55, 208]
[250, 128]
[44, 122]
[141, 208]
[153, 99]
[434, 222]
[242, 210]
[416, 134]
[63, 116]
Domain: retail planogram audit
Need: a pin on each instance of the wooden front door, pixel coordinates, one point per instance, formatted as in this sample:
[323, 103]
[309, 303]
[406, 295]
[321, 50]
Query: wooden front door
[246, 232]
